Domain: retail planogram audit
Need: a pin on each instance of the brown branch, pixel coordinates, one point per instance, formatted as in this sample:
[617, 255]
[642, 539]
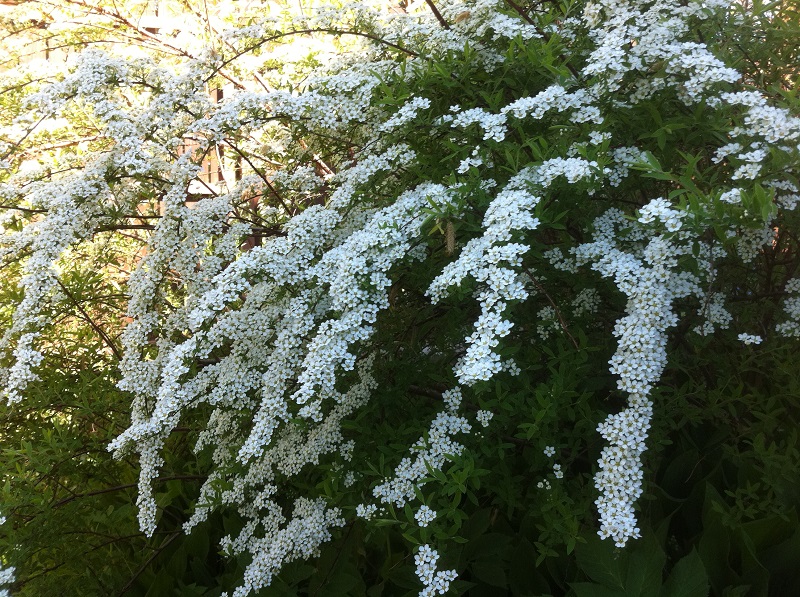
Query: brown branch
[437, 14]
[329, 30]
[260, 175]
[261, 230]
[147, 562]
[24, 209]
[541, 32]
[115, 227]
[60, 145]
[427, 392]
[561, 320]
[105, 337]
[76, 496]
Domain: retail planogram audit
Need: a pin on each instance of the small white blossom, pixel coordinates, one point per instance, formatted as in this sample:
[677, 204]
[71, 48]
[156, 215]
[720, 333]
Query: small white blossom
[750, 339]
[366, 511]
[484, 416]
[425, 516]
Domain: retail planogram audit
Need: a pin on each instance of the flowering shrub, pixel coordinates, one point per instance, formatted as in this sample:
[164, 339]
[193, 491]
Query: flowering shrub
[476, 282]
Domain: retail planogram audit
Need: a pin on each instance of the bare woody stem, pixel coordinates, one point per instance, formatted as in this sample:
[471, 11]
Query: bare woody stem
[437, 14]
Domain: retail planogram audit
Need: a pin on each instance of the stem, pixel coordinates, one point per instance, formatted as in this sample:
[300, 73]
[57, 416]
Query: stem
[437, 14]
[126, 486]
[105, 337]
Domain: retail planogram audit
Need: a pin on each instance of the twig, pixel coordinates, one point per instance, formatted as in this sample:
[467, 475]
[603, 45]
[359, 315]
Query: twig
[561, 321]
[437, 14]
[127, 486]
[541, 32]
[329, 30]
[105, 337]
[147, 562]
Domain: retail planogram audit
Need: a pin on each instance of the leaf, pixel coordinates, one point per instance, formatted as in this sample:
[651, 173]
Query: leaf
[492, 572]
[598, 560]
[477, 524]
[688, 578]
[645, 567]
[589, 589]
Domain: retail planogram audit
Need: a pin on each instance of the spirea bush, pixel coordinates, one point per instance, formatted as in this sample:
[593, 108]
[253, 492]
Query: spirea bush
[492, 297]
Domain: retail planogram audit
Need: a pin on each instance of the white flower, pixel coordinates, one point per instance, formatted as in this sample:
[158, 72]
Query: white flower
[366, 511]
[750, 339]
[557, 472]
[425, 515]
[484, 416]
[436, 582]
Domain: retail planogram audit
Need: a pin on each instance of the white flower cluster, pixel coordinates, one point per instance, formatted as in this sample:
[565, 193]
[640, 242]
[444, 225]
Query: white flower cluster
[548, 322]
[660, 209]
[750, 339]
[560, 261]
[715, 314]
[791, 307]
[435, 581]
[734, 196]
[624, 158]
[472, 161]
[586, 302]
[425, 515]
[71, 207]
[410, 474]
[366, 511]
[658, 30]
[299, 539]
[6, 572]
[484, 417]
[750, 241]
[479, 17]
[651, 285]
[555, 97]
[495, 126]
[406, 114]
[6, 578]
[787, 196]
[557, 472]
[485, 258]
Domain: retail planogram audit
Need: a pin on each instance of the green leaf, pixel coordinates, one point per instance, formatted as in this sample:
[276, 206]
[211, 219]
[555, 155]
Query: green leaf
[588, 589]
[688, 578]
[602, 562]
[492, 572]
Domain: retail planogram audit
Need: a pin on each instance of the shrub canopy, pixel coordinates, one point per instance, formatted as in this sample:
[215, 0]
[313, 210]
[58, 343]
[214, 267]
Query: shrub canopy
[508, 289]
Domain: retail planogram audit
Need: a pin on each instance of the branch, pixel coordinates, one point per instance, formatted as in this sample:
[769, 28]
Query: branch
[260, 175]
[74, 497]
[330, 30]
[437, 14]
[541, 32]
[105, 337]
[561, 321]
[147, 36]
[147, 562]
